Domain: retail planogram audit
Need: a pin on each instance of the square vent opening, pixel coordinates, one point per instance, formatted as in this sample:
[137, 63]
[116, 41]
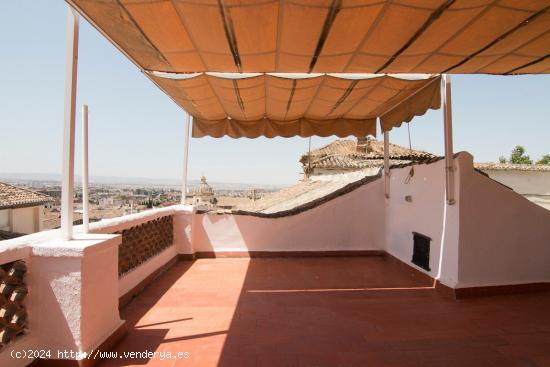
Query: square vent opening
[421, 251]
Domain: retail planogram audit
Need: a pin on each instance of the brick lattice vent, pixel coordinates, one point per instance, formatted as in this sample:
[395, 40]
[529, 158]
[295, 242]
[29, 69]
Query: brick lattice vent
[13, 290]
[144, 241]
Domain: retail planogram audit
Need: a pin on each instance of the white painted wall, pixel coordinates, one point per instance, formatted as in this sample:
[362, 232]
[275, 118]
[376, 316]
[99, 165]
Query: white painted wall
[23, 220]
[73, 299]
[523, 182]
[130, 280]
[427, 213]
[77, 283]
[5, 220]
[504, 238]
[181, 221]
[424, 214]
[354, 221]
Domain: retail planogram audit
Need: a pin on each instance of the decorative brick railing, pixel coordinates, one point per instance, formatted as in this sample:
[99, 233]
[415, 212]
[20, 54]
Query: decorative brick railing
[13, 290]
[142, 242]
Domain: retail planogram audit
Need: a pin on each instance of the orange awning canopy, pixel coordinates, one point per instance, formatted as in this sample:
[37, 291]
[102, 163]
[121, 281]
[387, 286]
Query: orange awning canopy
[332, 36]
[325, 36]
[324, 105]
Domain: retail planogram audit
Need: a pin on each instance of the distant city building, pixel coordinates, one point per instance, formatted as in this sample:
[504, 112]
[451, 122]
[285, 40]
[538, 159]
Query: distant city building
[52, 192]
[21, 210]
[106, 201]
[203, 195]
[529, 180]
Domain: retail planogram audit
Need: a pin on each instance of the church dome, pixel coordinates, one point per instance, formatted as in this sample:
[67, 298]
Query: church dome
[203, 189]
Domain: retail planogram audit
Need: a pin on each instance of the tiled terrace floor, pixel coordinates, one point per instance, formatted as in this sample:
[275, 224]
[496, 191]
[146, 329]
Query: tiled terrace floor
[365, 311]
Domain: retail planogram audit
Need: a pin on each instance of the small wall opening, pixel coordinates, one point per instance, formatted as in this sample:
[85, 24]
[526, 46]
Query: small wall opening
[421, 251]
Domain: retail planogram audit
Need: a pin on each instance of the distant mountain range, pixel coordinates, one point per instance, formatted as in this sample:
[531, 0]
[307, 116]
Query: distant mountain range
[128, 181]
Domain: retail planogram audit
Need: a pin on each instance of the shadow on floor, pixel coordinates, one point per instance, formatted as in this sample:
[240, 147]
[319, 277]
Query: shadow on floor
[147, 337]
[366, 311]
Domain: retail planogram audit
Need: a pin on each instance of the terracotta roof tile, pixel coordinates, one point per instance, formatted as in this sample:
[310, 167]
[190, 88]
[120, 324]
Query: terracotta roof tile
[347, 162]
[16, 197]
[343, 154]
[512, 167]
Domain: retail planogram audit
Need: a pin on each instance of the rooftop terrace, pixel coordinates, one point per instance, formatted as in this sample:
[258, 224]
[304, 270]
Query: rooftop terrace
[399, 250]
[335, 282]
[348, 311]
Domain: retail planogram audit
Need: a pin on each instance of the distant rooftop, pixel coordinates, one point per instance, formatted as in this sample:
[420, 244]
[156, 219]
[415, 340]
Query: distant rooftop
[512, 167]
[302, 193]
[360, 154]
[15, 197]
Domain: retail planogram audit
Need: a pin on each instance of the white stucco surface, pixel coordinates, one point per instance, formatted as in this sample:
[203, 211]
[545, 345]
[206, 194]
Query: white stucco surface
[117, 224]
[5, 220]
[73, 300]
[354, 221]
[24, 220]
[504, 238]
[131, 279]
[417, 203]
[181, 221]
[423, 213]
[523, 182]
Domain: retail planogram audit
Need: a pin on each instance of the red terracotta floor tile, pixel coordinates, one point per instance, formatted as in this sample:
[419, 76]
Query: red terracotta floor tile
[326, 312]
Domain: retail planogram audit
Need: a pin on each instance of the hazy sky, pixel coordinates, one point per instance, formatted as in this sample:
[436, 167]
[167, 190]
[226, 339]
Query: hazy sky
[137, 131]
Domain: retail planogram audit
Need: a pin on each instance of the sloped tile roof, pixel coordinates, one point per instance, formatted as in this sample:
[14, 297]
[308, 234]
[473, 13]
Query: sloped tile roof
[305, 195]
[349, 162]
[343, 154]
[317, 190]
[512, 167]
[15, 197]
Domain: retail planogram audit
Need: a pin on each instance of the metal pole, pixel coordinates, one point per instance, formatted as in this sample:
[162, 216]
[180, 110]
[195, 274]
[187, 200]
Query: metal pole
[308, 169]
[448, 131]
[67, 179]
[185, 158]
[387, 164]
[85, 183]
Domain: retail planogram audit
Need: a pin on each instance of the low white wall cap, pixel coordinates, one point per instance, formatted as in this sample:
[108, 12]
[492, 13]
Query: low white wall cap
[82, 243]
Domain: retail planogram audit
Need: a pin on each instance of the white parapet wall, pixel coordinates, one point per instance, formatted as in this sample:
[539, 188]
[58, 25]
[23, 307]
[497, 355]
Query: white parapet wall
[353, 221]
[491, 236]
[417, 205]
[181, 223]
[504, 238]
[72, 303]
[74, 286]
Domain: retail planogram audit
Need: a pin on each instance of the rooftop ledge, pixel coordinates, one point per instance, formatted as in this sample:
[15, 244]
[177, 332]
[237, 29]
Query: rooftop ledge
[50, 243]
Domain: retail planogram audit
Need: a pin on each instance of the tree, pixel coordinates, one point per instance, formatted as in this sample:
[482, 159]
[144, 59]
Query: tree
[544, 160]
[518, 156]
[502, 159]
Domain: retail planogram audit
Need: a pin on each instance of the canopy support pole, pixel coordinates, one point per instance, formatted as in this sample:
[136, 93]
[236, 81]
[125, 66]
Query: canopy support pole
[85, 180]
[67, 179]
[387, 164]
[185, 158]
[448, 131]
